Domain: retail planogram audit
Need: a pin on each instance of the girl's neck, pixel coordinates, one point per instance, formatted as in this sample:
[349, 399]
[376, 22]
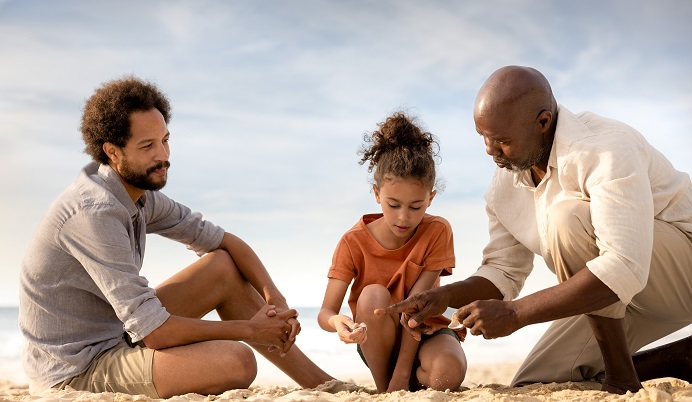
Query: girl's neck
[384, 236]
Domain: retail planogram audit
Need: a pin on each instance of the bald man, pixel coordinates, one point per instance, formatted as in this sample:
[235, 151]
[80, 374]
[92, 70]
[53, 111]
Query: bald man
[610, 216]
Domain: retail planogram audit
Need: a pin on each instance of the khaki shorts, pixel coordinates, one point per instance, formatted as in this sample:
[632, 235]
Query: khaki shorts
[123, 368]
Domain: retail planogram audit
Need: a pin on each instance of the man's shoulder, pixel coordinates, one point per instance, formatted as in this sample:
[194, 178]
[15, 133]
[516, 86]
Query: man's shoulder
[590, 130]
[84, 196]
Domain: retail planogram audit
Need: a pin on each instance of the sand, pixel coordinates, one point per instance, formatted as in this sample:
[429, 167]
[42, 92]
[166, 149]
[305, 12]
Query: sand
[488, 387]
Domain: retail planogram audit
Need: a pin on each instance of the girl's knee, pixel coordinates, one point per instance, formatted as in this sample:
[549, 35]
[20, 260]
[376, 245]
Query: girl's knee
[372, 297]
[447, 372]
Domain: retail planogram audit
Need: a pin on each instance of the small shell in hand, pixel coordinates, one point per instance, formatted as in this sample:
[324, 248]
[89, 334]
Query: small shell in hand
[455, 324]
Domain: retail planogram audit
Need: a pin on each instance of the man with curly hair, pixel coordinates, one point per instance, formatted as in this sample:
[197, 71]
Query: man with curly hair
[92, 322]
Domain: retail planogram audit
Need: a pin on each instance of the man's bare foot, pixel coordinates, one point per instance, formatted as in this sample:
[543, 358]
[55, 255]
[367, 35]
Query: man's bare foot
[670, 360]
[620, 387]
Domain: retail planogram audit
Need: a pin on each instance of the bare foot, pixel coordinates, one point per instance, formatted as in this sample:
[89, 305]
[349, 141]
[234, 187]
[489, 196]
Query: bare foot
[620, 387]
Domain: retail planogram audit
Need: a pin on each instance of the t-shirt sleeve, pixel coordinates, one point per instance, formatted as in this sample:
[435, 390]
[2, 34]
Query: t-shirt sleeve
[441, 255]
[343, 266]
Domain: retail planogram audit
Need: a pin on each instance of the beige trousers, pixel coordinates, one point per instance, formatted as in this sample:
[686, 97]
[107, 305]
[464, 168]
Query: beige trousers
[568, 350]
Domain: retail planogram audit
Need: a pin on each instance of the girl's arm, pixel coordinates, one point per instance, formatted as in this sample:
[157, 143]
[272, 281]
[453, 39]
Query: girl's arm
[409, 345]
[330, 319]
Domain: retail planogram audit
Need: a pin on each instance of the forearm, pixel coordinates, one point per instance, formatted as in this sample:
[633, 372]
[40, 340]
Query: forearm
[177, 331]
[253, 269]
[469, 290]
[325, 319]
[581, 294]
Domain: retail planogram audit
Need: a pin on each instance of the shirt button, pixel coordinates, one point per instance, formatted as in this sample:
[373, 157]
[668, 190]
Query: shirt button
[539, 193]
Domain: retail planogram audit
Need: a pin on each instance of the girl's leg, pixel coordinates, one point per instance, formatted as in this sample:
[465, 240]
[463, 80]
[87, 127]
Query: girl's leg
[442, 363]
[382, 333]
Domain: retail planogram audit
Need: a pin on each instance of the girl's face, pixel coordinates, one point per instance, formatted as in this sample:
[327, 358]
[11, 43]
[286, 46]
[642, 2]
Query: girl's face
[404, 202]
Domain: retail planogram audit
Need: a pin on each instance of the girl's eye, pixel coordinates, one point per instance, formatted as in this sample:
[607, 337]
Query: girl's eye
[415, 208]
[393, 206]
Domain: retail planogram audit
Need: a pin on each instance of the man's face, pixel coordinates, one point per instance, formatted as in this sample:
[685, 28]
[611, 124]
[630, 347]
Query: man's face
[516, 143]
[144, 159]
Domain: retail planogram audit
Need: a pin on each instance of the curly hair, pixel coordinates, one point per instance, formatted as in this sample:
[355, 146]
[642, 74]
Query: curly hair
[400, 149]
[106, 116]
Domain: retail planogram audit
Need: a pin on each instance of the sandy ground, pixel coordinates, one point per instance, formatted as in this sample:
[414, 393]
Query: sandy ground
[488, 387]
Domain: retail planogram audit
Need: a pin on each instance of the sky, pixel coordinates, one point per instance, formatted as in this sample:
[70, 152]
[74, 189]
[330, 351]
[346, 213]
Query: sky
[271, 100]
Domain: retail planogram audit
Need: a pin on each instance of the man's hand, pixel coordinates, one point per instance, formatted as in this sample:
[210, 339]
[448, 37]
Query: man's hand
[490, 318]
[274, 329]
[418, 308]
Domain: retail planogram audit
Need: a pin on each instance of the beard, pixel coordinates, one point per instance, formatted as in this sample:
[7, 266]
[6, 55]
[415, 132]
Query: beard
[540, 154]
[142, 180]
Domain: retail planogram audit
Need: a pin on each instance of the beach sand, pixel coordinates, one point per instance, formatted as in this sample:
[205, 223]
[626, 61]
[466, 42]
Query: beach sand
[488, 386]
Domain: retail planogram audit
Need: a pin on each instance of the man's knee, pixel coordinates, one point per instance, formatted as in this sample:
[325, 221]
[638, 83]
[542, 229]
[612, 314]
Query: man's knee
[570, 236]
[244, 373]
[222, 268]
[569, 218]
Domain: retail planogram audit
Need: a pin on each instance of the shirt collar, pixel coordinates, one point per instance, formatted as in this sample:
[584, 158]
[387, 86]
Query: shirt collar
[115, 185]
[524, 179]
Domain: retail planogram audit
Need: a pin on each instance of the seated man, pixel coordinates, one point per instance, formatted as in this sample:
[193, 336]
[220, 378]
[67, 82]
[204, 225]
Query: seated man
[612, 219]
[91, 321]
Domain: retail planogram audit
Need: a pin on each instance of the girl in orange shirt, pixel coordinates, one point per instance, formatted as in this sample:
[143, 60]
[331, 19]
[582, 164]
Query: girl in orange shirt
[390, 256]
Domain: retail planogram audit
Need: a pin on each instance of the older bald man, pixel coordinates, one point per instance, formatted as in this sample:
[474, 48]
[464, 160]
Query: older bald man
[610, 216]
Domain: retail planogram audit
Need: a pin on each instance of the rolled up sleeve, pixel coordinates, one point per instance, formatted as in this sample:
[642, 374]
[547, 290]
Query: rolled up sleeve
[622, 214]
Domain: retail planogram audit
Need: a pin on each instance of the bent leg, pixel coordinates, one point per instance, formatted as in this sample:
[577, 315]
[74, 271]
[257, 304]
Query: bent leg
[382, 333]
[215, 283]
[569, 351]
[210, 368]
[442, 363]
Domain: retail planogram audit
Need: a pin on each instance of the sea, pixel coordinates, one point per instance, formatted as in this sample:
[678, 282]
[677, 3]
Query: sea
[324, 348]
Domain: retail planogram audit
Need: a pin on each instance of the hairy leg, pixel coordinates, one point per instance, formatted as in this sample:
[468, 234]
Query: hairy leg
[378, 348]
[214, 283]
[442, 363]
[620, 375]
[670, 360]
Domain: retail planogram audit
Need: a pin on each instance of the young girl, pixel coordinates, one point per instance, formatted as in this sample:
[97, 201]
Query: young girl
[391, 255]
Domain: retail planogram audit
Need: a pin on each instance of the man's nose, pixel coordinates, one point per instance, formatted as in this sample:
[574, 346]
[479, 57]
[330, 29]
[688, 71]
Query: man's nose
[491, 147]
[163, 152]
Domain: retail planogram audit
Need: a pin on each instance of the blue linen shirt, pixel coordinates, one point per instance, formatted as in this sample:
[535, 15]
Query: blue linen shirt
[80, 282]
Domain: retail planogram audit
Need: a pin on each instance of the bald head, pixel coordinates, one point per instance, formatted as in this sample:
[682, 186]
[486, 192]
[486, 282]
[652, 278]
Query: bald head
[516, 89]
[516, 113]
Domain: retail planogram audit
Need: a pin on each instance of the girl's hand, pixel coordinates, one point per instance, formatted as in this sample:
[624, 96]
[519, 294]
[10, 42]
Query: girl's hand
[398, 383]
[349, 331]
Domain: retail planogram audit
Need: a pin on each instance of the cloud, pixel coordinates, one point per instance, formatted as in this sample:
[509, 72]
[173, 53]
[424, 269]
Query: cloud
[270, 101]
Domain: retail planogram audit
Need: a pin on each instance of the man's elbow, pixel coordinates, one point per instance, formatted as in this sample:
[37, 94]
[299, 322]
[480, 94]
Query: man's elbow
[155, 340]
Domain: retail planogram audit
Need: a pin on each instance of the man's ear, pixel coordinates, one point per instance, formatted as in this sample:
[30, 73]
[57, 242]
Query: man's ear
[112, 151]
[545, 118]
[377, 192]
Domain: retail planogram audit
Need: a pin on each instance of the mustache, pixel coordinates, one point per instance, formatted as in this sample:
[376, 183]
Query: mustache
[160, 165]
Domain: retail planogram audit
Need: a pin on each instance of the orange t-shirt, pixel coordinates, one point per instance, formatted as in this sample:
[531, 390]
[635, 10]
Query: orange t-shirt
[360, 258]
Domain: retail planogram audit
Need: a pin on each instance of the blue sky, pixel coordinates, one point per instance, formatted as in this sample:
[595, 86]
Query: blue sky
[271, 99]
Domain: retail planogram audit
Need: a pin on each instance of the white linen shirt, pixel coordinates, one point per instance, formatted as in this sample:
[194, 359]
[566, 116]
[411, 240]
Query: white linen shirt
[628, 184]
